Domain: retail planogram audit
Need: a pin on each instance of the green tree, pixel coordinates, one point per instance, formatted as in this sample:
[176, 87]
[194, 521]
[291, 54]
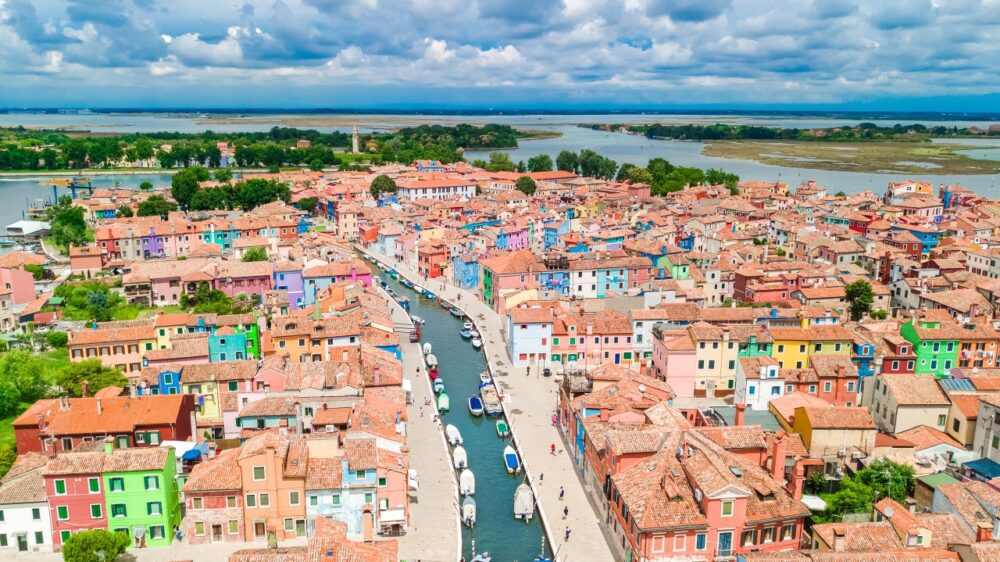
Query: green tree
[853, 497]
[316, 165]
[568, 161]
[67, 224]
[249, 194]
[124, 212]
[24, 373]
[859, 297]
[146, 186]
[640, 175]
[526, 185]
[98, 305]
[36, 271]
[223, 175]
[623, 171]
[255, 254]
[540, 163]
[594, 165]
[212, 198]
[8, 456]
[184, 184]
[97, 376]
[382, 184]
[500, 162]
[307, 204]
[95, 546]
[887, 478]
[57, 339]
[879, 314]
[156, 205]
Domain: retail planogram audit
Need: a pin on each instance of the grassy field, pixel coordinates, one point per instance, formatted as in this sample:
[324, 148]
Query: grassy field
[876, 157]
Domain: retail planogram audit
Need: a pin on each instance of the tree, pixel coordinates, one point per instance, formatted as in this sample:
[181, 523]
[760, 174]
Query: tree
[860, 298]
[21, 379]
[623, 171]
[307, 204]
[887, 479]
[540, 163]
[97, 376]
[249, 194]
[382, 184]
[223, 175]
[255, 254]
[156, 205]
[567, 161]
[500, 162]
[37, 271]
[879, 314]
[840, 194]
[526, 185]
[145, 186]
[640, 175]
[316, 165]
[95, 546]
[124, 212]
[66, 223]
[594, 165]
[8, 456]
[184, 184]
[57, 339]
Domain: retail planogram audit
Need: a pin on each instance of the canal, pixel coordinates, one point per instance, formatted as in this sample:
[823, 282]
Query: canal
[505, 538]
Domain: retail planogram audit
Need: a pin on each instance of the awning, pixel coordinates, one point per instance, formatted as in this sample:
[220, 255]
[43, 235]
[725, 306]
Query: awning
[392, 517]
[987, 468]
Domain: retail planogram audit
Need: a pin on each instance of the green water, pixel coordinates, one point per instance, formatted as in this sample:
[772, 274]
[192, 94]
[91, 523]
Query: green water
[496, 532]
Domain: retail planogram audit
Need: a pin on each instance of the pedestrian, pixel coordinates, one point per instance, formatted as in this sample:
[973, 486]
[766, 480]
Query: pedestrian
[567, 534]
[528, 372]
[565, 512]
[562, 493]
[541, 476]
[553, 449]
[421, 411]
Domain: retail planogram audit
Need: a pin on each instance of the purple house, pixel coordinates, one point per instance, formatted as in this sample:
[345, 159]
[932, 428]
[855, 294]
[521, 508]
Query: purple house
[152, 245]
[288, 278]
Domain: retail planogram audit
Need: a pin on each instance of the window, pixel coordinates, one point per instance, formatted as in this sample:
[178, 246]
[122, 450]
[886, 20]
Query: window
[781, 348]
[156, 532]
[251, 500]
[818, 347]
[293, 498]
[812, 389]
[117, 485]
[368, 497]
[230, 501]
[234, 386]
[751, 390]
[314, 500]
[154, 508]
[767, 535]
[941, 419]
[336, 499]
[850, 387]
[700, 540]
[94, 485]
[118, 510]
[787, 532]
[96, 512]
[197, 503]
[827, 386]
[727, 509]
[152, 482]
[259, 473]
[39, 537]
[802, 348]
[234, 526]
[289, 524]
[955, 424]
[199, 528]
[3, 538]
[60, 487]
[382, 482]
[749, 537]
[701, 363]
[63, 537]
[265, 500]
[359, 474]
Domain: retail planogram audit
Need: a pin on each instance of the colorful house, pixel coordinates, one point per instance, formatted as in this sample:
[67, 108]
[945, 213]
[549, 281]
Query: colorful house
[273, 471]
[794, 346]
[935, 340]
[213, 496]
[227, 345]
[141, 497]
[75, 490]
[288, 278]
[26, 525]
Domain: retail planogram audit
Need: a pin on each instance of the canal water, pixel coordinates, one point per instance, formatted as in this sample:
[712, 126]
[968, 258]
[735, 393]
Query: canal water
[506, 538]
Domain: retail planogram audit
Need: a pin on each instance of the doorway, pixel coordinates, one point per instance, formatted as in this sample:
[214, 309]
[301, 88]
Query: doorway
[259, 531]
[216, 533]
[22, 542]
[725, 543]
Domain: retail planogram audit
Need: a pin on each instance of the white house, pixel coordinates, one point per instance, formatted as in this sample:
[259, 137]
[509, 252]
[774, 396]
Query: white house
[25, 525]
[529, 335]
[439, 189]
[758, 381]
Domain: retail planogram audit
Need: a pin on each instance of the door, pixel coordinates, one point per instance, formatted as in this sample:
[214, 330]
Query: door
[725, 543]
[618, 359]
[258, 530]
[22, 542]
[216, 533]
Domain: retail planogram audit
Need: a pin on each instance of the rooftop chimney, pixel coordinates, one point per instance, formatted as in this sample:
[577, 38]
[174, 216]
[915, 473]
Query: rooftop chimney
[778, 455]
[83, 388]
[99, 409]
[799, 478]
[839, 541]
[984, 532]
[740, 414]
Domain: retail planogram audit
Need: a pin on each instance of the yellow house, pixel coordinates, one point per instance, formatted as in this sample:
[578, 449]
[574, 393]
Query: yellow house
[794, 346]
[434, 233]
[168, 325]
[315, 339]
[200, 380]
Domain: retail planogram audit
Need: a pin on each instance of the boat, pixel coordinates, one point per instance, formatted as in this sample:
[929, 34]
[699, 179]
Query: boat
[469, 512]
[394, 274]
[406, 283]
[481, 557]
[467, 483]
[475, 334]
[541, 554]
[460, 458]
[511, 460]
[465, 334]
[485, 377]
[444, 403]
[524, 502]
[475, 405]
[438, 385]
[491, 399]
[429, 294]
[456, 312]
[432, 372]
[444, 304]
[468, 326]
[382, 283]
[477, 343]
[454, 436]
[404, 303]
[502, 429]
[432, 361]
[418, 320]
[427, 347]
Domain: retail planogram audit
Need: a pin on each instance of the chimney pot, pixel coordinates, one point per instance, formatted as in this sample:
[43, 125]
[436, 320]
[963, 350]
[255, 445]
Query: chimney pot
[740, 414]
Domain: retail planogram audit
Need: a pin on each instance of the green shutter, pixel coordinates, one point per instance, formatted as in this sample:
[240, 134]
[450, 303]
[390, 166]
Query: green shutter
[62, 512]
[60, 487]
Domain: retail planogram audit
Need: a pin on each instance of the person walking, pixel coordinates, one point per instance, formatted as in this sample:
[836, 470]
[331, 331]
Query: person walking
[562, 493]
[553, 449]
[541, 477]
[565, 512]
[567, 534]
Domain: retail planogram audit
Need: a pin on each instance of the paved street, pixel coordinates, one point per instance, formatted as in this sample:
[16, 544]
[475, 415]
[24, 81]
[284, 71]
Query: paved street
[530, 402]
[434, 534]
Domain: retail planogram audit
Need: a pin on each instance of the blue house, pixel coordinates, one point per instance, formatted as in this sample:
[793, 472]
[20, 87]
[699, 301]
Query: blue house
[863, 356]
[226, 344]
[555, 280]
[474, 227]
[554, 230]
[685, 241]
[429, 166]
[928, 238]
[466, 271]
[305, 223]
[166, 381]
[613, 280]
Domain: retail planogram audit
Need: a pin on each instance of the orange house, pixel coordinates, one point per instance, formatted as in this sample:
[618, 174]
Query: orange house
[273, 470]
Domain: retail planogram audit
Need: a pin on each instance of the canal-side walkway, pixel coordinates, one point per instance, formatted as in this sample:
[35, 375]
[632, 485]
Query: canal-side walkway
[530, 402]
[434, 534]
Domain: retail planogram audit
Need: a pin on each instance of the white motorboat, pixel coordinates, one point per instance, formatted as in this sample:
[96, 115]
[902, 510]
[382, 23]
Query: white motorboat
[469, 512]
[454, 436]
[485, 377]
[524, 502]
[427, 348]
[468, 326]
[477, 343]
[432, 360]
[460, 458]
[416, 319]
[467, 483]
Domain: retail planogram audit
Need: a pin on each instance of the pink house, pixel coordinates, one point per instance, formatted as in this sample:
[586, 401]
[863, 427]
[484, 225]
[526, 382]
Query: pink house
[19, 282]
[675, 361]
[393, 485]
[252, 278]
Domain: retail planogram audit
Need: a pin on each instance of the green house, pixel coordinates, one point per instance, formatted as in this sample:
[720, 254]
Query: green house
[935, 345]
[141, 493]
[677, 265]
[756, 345]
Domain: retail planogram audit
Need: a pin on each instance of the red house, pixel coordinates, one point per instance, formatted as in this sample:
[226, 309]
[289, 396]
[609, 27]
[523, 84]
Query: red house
[76, 494]
[64, 424]
[431, 259]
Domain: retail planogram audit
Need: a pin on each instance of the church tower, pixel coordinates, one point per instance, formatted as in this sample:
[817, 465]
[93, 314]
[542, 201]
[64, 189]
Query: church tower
[355, 139]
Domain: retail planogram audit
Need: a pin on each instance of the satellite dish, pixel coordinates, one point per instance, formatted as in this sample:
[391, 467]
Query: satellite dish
[889, 512]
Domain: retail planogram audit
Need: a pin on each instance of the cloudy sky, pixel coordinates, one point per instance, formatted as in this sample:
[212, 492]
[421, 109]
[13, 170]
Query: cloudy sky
[906, 54]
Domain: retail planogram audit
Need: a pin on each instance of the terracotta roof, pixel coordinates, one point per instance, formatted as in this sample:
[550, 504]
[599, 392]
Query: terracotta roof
[269, 406]
[221, 473]
[119, 414]
[925, 437]
[837, 417]
[860, 537]
[915, 390]
[361, 454]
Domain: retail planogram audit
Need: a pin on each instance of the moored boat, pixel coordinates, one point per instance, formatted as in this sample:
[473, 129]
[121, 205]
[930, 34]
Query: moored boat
[444, 403]
[477, 343]
[430, 295]
[460, 458]
[475, 405]
[456, 312]
[418, 320]
[502, 429]
[407, 283]
[524, 502]
[454, 436]
[469, 512]
[468, 326]
[394, 274]
[491, 399]
[511, 460]
[427, 348]
[465, 334]
[438, 385]
[485, 377]
[432, 361]
[432, 372]
[467, 483]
